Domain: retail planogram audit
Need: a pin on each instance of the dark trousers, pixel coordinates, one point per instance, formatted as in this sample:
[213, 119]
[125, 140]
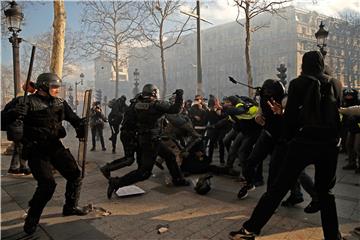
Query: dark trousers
[17, 160]
[246, 147]
[300, 155]
[307, 183]
[114, 133]
[229, 137]
[233, 150]
[216, 136]
[353, 148]
[264, 146]
[42, 158]
[149, 149]
[97, 130]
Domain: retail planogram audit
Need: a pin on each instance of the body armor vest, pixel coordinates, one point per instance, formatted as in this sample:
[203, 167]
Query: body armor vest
[44, 118]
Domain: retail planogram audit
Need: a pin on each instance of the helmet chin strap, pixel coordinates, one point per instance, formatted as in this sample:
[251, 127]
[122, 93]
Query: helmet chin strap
[43, 92]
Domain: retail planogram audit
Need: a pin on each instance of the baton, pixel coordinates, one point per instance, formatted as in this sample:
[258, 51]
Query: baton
[29, 72]
[231, 79]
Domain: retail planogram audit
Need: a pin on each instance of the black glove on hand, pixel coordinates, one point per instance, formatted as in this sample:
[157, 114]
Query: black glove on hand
[21, 109]
[179, 92]
[81, 129]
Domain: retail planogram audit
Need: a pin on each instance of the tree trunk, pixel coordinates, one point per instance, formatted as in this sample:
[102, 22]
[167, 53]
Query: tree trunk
[162, 56]
[116, 71]
[247, 49]
[163, 94]
[57, 56]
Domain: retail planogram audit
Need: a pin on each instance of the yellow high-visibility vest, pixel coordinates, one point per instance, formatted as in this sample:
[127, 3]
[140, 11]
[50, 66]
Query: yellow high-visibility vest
[251, 113]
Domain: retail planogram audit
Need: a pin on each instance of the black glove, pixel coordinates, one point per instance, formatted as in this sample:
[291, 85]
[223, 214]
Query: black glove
[179, 92]
[21, 109]
[211, 127]
[81, 129]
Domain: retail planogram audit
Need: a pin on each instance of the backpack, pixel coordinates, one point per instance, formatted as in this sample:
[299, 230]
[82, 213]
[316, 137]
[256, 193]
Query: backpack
[319, 114]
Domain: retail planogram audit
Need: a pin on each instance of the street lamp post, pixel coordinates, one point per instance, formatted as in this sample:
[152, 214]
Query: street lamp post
[199, 89]
[14, 17]
[321, 36]
[136, 84]
[77, 83]
[71, 98]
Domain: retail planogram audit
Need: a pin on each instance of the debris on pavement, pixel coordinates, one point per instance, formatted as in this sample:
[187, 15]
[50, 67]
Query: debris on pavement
[97, 210]
[161, 228]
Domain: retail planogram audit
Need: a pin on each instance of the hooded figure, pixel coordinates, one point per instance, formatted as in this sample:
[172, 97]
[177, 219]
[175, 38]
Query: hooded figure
[301, 152]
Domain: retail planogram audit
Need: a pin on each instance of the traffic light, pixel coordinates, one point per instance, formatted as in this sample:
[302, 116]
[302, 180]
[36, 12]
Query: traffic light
[98, 95]
[282, 73]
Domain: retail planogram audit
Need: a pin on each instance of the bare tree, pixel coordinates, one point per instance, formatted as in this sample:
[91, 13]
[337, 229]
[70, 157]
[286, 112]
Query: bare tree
[7, 86]
[163, 28]
[110, 29]
[43, 43]
[252, 9]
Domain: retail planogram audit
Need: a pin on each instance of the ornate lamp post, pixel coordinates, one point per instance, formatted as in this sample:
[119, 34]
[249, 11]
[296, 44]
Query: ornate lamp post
[77, 83]
[136, 84]
[321, 36]
[71, 98]
[282, 73]
[14, 17]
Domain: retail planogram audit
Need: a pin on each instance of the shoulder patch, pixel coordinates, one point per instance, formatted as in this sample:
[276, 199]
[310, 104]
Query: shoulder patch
[142, 106]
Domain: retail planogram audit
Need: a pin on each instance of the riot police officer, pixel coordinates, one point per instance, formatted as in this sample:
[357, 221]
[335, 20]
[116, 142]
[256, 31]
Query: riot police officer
[149, 110]
[129, 139]
[43, 114]
[118, 109]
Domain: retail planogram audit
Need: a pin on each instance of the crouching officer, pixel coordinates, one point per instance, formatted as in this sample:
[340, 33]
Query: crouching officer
[42, 116]
[149, 110]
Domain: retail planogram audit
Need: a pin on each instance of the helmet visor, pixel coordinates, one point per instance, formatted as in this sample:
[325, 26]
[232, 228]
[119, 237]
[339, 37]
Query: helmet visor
[55, 83]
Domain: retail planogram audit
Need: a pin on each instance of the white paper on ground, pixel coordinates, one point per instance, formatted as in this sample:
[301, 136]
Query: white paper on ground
[129, 190]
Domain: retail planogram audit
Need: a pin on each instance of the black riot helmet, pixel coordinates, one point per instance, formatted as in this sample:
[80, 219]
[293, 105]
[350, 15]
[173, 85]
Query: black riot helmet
[123, 98]
[150, 90]
[203, 185]
[45, 80]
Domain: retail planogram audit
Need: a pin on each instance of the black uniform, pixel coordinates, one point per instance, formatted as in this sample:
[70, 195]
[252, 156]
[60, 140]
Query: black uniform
[118, 109]
[148, 112]
[305, 147]
[129, 139]
[44, 150]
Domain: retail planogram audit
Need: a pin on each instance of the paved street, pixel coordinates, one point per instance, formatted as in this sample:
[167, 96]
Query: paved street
[189, 215]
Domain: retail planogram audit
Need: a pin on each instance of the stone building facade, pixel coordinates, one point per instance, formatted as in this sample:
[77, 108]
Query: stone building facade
[283, 41]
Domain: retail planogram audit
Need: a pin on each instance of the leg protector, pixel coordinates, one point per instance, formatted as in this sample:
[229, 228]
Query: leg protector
[72, 193]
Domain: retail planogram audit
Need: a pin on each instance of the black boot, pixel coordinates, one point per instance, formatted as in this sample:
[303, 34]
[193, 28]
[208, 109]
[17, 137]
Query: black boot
[70, 211]
[30, 224]
[105, 170]
[72, 195]
[115, 165]
[31, 221]
[113, 186]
